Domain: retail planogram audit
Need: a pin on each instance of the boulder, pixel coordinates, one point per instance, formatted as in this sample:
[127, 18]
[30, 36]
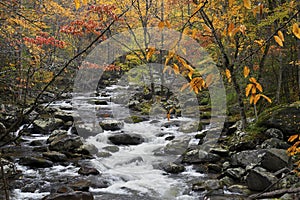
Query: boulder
[176, 147]
[126, 139]
[173, 168]
[45, 126]
[235, 173]
[275, 159]
[111, 149]
[70, 196]
[80, 185]
[190, 127]
[65, 116]
[55, 156]
[88, 149]
[35, 162]
[65, 143]
[274, 143]
[211, 184]
[274, 133]
[258, 179]
[88, 171]
[199, 156]
[245, 158]
[283, 117]
[111, 125]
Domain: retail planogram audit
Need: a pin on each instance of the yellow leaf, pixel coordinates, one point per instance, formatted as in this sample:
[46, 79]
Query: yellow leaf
[190, 74]
[243, 29]
[296, 30]
[230, 2]
[255, 10]
[259, 42]
[252, 80]
[252, 99]
[228, 75]
[292, 138]
[161, 24]
[256, 98]
[230, 29]
[261, 8]
[280, 34]
[259, 87]
[209, 80]
[248, 89]
[169, 56]
[150, 52]
[267, 98]
[278, 40]
[168, 24]
[206, 28]
[77, 4]
[176, 69]
[247, 4]
[84, 2]
[246, 71]
[253, 91]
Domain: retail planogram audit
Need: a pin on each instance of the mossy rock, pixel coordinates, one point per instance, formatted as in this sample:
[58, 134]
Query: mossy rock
[133, 119]
[283, 117]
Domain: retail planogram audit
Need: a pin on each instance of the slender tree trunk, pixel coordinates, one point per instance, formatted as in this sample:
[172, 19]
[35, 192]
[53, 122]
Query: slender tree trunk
[279, 83]
[240, 100]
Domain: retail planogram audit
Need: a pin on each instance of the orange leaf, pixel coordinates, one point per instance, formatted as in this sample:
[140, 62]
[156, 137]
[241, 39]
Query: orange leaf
[176, 69]
[278, 40]
[246, 71]
[293, 137]
[280, 34]
[267, 98]
[77, 4]
[296, 30]
[228, 75]
[247, 4]
[253, 91]
[248, 89]
[256, 98]
[252, 98]
[252, 80]
[161, 24]
[150, 52]
[259, 87]
[206, 28]
[168, 24]
[230, 2]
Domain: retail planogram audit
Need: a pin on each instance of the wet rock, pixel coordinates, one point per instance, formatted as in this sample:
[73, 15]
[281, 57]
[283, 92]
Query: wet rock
[70, 196]
[36, 143]
[111, 149]
[87, 149]
[35, 162]
[65, 143]
[64, 189]
[177, 146]
[103, 154]
[9, 168]
[45, 126]
[258, 179]
[274, 133]
[235, 173]
[56, 134]
[211, 184]
[32, 187]
[126, 139]
[111, 124]
[173, 168]
[80, 185]
[86, 131]
[134, 119]
[239, 189]
[246, 158]
[214, 168]
[65, 116]
[55, 156]
[220, 151]
[169, 138]
[190, 127]
[274, 143]
[99, 102]
[199, 156]
[283, 117]
[274, 159]
[4, 137]
[88, 171]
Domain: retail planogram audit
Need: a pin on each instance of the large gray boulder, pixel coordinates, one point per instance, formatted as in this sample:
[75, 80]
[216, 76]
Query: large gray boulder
[126, 139]
[258, 179]
[45, 126]
[35, 162]
[199, 156]
[111, 124]
[65, 143]
[77, 195]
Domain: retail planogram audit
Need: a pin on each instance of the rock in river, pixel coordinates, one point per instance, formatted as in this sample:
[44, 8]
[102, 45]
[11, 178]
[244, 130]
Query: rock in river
[126, 139]
[111, 124]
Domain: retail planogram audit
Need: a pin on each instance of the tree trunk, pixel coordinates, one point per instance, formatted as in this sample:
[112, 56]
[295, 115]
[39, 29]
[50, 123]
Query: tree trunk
[279, 83]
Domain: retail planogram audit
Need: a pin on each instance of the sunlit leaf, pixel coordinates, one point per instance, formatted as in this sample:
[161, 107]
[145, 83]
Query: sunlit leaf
[267, 98]
[293, 137]
[252, 98]
[176, 68]
[278, 40]
[77, 4]
[228, 75]
[259, 87]
[256, 98]
[168, 24]
[246, 71]
[253, 80]
[206, 28]
[84, 2]
[247, 4]
[280, 34]
[248, 89]
[253, 91]
[161, 24]
[190, 74]
[296, 30]
[150, 52]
